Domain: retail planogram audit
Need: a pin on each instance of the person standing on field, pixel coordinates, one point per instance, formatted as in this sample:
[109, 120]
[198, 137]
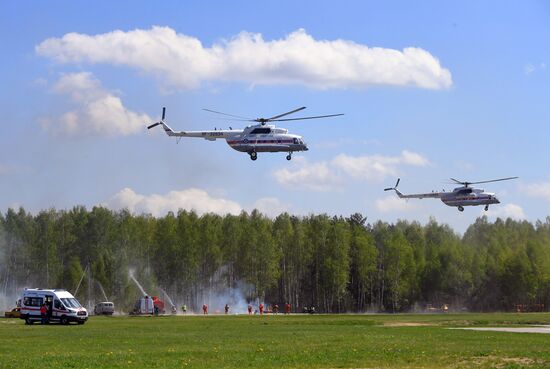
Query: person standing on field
[205, 309]
[43, 313]
[261, 308]
[287, 308]
[249, 309]
[226, 308]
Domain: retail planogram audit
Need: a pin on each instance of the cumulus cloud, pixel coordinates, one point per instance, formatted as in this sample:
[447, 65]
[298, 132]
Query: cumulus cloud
[315, 176]
[271, 206]
[394, 204]
[506, 211]
[160, 204]
[329, 175]
[97, 111]
[540, 190]
[182, 61]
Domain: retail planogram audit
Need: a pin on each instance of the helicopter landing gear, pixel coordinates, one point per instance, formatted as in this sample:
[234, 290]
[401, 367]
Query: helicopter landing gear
[460, 208]
[253, 155]
[289, 156]
[486, 207]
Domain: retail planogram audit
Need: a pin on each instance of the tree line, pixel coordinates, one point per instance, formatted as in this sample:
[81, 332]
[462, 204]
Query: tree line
[335, 264]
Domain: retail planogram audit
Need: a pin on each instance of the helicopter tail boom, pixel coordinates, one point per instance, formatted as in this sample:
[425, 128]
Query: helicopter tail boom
[434, 195]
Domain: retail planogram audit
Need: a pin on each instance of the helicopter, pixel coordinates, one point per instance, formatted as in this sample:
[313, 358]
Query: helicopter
[460, 196]
[255, 138]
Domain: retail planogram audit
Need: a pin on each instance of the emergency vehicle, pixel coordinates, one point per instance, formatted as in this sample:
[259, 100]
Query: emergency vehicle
[61, 306]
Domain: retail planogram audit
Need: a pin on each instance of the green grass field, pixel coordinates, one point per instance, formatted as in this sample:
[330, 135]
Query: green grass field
[296, 341]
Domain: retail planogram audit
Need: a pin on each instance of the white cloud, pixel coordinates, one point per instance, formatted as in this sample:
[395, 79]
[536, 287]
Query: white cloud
[540, 190]
[182, 61]
[315, 176]
[160, 204]
[393, 204]
[530, 68]
[329, 175]
[505, 211]
[271, 206]
[97, 111]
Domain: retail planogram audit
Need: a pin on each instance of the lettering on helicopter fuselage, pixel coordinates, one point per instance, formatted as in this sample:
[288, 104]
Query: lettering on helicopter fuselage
[212, 134]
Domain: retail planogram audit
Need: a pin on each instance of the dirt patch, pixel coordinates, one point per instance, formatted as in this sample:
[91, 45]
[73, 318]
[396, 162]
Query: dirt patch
[406, 324]
[496, 362]
[536, 329]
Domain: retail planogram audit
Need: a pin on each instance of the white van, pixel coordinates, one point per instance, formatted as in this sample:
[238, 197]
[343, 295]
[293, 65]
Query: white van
[104, 308]
[61, 306]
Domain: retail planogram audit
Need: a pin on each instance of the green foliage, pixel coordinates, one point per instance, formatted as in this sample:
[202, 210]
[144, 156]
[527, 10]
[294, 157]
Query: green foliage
[332, 263]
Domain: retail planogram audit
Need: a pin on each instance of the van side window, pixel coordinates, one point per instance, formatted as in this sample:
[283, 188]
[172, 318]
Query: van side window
[57, 304]
[32, 301]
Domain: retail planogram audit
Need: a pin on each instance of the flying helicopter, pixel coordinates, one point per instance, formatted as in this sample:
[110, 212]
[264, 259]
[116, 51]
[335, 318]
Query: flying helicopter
[255, 138]
[460, 196]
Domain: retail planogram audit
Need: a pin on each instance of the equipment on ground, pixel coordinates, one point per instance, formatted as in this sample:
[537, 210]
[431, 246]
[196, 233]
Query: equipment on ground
[255, 138]
[460, 196]
[148, 306]
[13, 313]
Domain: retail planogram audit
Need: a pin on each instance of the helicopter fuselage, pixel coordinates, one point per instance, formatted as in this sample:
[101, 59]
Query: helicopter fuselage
[265, 138]
[467, 196]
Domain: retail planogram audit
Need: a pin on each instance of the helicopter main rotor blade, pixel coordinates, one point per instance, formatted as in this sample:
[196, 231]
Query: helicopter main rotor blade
[282, 115]
[229, 115]
[315, 117]
[457, 181]
[494, 180]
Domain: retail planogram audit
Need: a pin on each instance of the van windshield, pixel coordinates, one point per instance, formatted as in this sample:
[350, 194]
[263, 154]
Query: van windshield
[71, 302]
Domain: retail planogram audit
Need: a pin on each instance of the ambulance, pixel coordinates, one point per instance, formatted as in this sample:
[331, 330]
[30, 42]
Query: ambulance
[61, 306]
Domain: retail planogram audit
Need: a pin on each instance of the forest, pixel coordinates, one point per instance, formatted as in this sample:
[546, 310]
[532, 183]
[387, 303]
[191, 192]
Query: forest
[333, 263]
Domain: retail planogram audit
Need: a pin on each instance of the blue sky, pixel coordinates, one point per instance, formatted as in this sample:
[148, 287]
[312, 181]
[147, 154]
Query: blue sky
[469, 100]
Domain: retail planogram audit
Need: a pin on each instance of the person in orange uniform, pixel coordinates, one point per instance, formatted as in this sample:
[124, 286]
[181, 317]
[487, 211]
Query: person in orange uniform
[287, 308]
[261, 309]
[205, 309]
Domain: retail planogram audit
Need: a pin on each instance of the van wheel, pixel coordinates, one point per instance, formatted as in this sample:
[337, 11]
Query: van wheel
[28, 321]
[64, 320]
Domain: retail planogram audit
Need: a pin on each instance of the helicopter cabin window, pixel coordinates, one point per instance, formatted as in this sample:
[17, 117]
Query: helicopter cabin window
[295, 141]
[260, 131]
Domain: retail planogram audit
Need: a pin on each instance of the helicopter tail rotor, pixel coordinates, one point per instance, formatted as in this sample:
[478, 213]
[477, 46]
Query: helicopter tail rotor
[167, 129]
[161, 120]
[393, 188]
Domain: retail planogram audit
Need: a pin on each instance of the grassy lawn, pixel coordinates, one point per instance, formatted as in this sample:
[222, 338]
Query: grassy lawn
[296, 341]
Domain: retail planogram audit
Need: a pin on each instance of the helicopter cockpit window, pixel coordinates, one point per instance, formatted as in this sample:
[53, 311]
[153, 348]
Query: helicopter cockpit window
[295, 141]
[260, 131]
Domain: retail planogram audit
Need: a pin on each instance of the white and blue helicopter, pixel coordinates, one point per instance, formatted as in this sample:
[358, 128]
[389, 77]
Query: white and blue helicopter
[460, 196]
[261, 137]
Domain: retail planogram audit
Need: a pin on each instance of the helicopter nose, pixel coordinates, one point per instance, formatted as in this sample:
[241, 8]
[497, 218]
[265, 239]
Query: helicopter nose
[497, 201]
[305, 147]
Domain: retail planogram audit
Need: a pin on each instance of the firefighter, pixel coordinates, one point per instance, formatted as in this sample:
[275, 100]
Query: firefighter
[249, 309]
[205, 309]
[261, 308]
[226, 308]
